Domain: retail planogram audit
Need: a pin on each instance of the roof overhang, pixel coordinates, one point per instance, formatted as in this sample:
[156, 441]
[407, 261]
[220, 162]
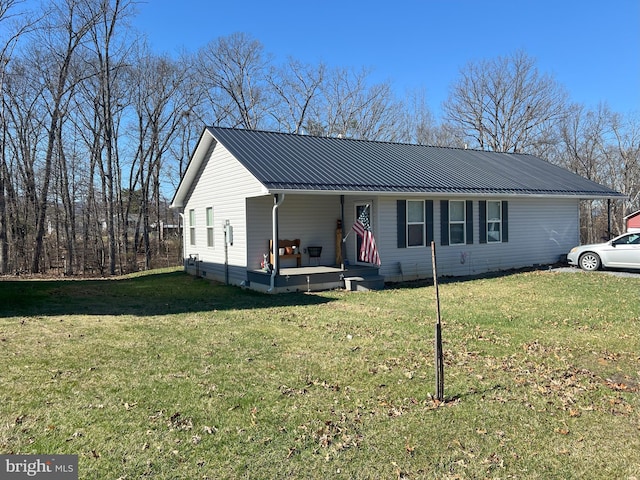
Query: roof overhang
[191, 173]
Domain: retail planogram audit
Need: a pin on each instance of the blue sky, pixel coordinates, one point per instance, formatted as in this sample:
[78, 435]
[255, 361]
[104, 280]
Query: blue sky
[592, 47]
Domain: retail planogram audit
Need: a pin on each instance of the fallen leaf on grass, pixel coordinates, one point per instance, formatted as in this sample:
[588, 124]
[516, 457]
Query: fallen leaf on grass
[494, 460]
[75, 435]
[619, 387]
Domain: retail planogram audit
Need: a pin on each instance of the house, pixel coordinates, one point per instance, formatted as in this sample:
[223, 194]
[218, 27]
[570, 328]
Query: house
[485, 211]
[632, 222]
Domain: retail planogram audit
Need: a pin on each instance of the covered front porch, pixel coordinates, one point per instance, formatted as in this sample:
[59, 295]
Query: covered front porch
[316, 278]
[303, 243]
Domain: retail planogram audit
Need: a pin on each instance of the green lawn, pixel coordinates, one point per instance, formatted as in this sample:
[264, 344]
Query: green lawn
[169, 377]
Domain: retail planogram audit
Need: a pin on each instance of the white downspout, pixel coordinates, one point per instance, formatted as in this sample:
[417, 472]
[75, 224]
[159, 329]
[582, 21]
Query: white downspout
[184, 237]
[274, 235]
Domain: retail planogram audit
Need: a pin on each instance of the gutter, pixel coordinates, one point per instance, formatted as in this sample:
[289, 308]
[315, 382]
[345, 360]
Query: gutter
[468, 194]
[278, 199]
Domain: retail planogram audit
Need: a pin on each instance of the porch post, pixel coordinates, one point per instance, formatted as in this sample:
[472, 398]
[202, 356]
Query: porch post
[274, 220]
[342, 245]
[277, 201]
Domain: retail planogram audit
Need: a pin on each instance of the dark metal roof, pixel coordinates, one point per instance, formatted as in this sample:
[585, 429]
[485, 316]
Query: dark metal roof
[288, 162]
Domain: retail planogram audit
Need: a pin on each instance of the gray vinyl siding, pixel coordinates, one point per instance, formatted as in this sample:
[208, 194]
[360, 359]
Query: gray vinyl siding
[414, 261]
[540, 231]
[228, 201]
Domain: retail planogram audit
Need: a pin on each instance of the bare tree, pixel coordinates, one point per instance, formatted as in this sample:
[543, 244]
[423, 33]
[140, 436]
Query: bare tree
[64, 32]
[505, 104]
[24, 137]
[160, 108]
[623, 163]
[419, 125]
[16, 24]
[351, 106]
[583, 136]
[296, 87]
[191, 120]
[233, 70]
[110, 56]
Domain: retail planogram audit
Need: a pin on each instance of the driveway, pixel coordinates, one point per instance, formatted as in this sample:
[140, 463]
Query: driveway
[615, 273]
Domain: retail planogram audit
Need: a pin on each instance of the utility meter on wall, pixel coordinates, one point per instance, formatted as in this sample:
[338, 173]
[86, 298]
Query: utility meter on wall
[228, 233]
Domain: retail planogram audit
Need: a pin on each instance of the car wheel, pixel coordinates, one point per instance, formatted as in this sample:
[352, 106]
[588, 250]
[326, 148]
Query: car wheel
[589, 261]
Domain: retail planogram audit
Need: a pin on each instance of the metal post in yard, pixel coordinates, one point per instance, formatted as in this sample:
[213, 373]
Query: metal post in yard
[438, 340]
[609, 219]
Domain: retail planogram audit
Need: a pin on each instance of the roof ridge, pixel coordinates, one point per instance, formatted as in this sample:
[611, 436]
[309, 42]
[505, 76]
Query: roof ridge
[386, 142]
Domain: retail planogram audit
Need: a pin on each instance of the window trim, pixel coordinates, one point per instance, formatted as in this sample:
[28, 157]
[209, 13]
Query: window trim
[192, 227]
[462, 222]
[209, 220]
[490, 221]
[504, 221]
[423, 223]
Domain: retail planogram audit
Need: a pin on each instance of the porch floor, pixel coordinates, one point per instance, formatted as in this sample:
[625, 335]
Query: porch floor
[310, 270]
[308, 278]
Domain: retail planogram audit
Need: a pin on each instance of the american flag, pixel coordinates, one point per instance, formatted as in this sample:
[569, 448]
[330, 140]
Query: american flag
[368, 250]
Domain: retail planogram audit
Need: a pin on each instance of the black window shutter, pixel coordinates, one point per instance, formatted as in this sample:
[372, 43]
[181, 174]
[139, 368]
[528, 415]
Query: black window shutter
[505, 221]
[482, 218]
[428, 215]
[444, 222]
[402, 223]
[469, 222]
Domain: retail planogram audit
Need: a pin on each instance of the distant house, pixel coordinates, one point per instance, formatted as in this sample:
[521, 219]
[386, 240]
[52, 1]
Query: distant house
[632, 222]
[247, 195]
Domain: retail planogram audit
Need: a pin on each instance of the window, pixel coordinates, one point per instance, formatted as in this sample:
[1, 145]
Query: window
[457, 222]
[631, 239]
[192, 227]
[415, 223]
[494, 222]
[209, 226]
[493, 219]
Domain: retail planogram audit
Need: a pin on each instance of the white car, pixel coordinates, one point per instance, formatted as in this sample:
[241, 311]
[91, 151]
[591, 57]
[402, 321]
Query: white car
[621, 252]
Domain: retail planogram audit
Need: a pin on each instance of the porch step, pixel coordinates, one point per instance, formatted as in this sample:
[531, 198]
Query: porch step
[363, 284]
